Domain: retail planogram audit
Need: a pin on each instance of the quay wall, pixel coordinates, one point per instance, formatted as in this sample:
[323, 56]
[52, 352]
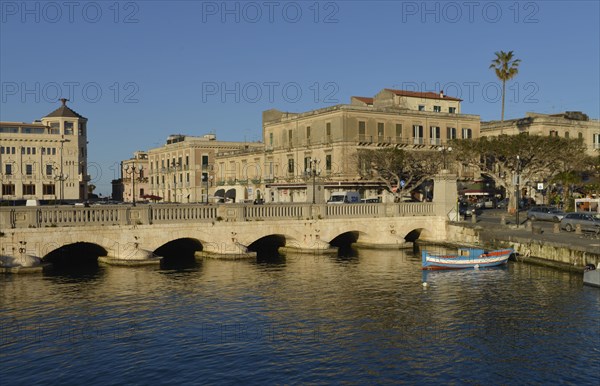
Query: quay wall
[529, 247]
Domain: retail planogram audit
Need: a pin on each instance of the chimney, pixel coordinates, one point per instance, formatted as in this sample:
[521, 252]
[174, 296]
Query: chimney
[442, 94]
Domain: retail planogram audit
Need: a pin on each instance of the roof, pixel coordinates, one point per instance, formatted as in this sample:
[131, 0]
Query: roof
[426, 95]
[366, 100]
[64, 111]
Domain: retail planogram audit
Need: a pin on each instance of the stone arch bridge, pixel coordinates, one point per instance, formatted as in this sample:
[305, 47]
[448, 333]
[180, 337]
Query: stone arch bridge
[135, 232]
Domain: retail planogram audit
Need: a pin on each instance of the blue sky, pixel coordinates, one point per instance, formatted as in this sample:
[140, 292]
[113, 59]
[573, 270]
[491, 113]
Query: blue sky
[141, 70]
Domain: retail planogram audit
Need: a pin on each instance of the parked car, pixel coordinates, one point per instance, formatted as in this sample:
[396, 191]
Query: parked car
[588, 222]
[467, 210]
[545, 213]
[486, 203]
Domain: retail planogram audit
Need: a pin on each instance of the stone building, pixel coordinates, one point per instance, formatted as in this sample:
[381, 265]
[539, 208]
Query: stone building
[134, 177]
[570, 124]
[184, 169]
[317, 149]
[45, 160]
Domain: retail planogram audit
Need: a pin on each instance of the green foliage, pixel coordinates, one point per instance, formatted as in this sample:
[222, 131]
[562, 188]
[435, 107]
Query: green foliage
[536, 158]
[392, 165]
[506, 67]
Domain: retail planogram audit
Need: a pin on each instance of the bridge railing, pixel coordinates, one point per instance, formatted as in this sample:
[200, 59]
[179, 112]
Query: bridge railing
[64, 216]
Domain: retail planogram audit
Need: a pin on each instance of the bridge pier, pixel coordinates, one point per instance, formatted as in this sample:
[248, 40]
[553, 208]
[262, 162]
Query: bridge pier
[21, 262]
[131, 255]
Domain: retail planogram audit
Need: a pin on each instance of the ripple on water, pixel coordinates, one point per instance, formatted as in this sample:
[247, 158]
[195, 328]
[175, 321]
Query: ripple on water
[300, 319]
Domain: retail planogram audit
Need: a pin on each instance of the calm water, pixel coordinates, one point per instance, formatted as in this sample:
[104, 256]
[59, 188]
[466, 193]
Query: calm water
[300, 319]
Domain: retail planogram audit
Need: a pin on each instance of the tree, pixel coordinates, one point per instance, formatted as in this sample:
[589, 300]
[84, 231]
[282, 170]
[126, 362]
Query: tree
[534, 157]
[401, 171]
[506, 68]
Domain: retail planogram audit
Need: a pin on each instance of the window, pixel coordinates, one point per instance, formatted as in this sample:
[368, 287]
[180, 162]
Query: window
[8, 189]
[421, 107]
[48, 189]
[451, 132]
[380, 131]
[362, 128]
[434, 135]
[417, 134]
[290, 165]
[307, 164]
[328, 162]
[29, 169]
[290, 138]
[553, 133]
[49, 170]
[11, 130]
[328, 129]
[398, 132]
[307, 132]
[81, 129]
[596, 141]
[566, 134]
[187, 161]
[8, 169]
[270, 139]
[467, 133]
[53, 151]
[580, 135]
[28, 190]
[452, 110]
[437, 109]
[68, 128]
[54, 128]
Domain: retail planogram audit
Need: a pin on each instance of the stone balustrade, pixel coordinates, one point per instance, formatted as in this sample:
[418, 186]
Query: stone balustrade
[147, 214]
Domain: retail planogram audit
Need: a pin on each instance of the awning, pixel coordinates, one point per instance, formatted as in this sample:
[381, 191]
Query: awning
[220, 193]
[230, 194]
[475, 193]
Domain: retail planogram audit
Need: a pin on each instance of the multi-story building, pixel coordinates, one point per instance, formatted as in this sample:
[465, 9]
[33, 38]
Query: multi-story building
[46, 159]
[134, 177]
[320, 146]
[570, 124]
[184, 169]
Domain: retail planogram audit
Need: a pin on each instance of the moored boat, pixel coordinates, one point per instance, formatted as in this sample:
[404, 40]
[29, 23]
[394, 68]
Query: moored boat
[591, 276]
[466, 258]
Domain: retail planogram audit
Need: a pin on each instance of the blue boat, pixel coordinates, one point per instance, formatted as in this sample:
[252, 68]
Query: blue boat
[466, 258]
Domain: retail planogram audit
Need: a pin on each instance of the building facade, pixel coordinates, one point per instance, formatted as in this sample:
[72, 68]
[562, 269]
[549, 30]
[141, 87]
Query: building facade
[184, 169]
[134, 177]
[570, 124]
[45, 160]
[316, 151]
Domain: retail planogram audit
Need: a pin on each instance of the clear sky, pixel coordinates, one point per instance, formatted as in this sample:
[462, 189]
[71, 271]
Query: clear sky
[141, 70]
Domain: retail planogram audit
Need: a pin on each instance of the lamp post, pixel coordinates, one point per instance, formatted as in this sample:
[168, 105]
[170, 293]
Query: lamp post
[313, 171]
[518, 192]
[133, 171]
[207, 178]
[62, 177]
[444, 149]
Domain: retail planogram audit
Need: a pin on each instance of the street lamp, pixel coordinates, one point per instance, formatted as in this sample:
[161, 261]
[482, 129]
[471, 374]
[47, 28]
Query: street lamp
[62, 176]
[444, 150]
[313, 170]
[517, 193]
[133, 171]
[207, 178]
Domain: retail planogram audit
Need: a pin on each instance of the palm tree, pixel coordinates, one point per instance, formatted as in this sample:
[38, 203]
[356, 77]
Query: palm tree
[506, 67]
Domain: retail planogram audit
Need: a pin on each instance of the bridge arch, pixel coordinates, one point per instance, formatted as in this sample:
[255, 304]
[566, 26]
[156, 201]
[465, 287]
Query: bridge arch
[73, 254]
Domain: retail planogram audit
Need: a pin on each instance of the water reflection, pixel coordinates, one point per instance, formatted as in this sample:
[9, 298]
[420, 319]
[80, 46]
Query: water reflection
[300, 318]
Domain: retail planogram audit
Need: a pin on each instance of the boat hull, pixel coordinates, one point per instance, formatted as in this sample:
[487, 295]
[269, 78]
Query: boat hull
[592, 277]
[467, 258]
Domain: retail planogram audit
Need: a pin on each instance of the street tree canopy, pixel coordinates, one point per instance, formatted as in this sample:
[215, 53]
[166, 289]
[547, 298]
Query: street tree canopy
[534, 157]
[400, 170]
